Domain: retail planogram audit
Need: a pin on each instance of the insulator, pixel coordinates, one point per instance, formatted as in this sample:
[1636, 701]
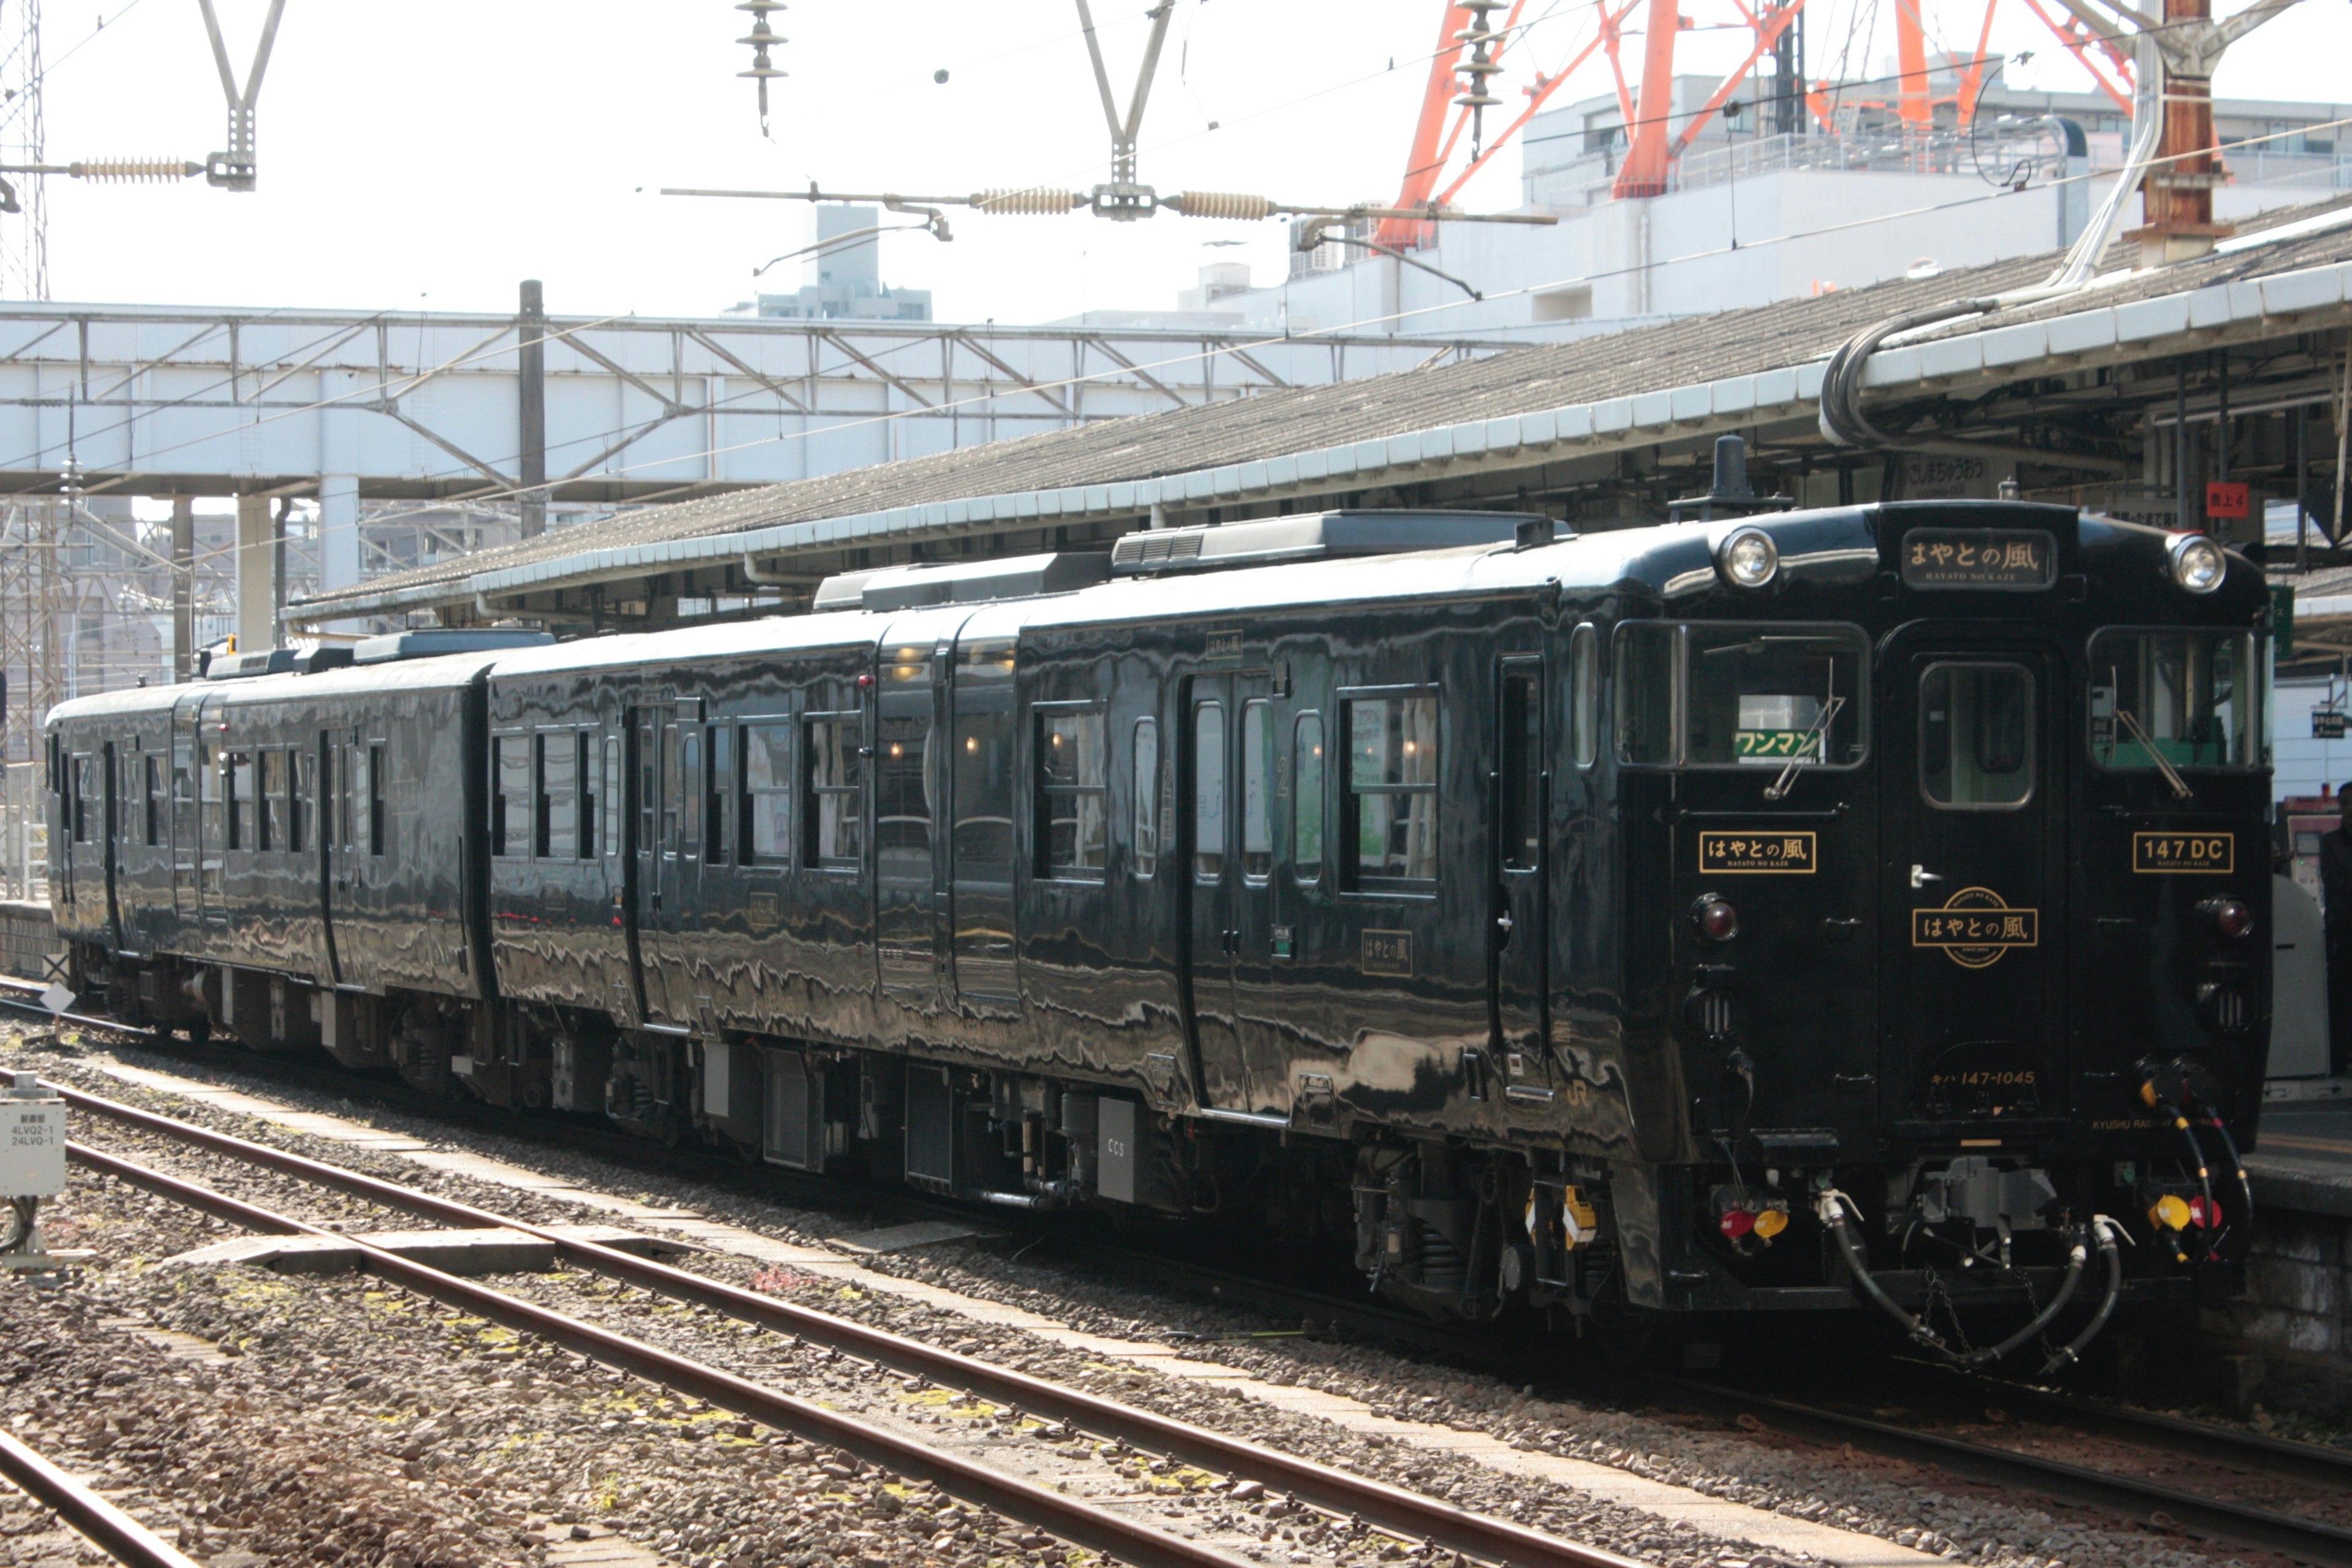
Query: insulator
[128, 170]
[1223, 203]
[1035, 202]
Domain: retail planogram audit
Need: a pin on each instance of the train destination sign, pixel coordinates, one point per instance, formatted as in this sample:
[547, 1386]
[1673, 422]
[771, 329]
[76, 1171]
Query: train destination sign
[1975, 928]
[2165, 854]
[2002, 558]
[1756, 852]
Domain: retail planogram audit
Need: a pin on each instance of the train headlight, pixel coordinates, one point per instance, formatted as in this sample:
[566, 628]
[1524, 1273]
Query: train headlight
[2198, 563]
[2230, 917]
[1715, 919]
[1747, 558]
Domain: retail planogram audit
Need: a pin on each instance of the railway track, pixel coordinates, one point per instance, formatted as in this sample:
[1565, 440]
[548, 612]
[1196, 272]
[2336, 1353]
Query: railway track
[89, 1515]
[2144, 1502]
[1393, 1510]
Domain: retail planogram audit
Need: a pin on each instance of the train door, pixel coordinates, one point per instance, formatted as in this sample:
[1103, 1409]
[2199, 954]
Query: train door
[654, 730]
[328, 837]
[1229, 748]
[1518, 944]
[983, 757]
[361, 793]
[185, 904]
[109, 766]
[906, 894]
[1976, 852]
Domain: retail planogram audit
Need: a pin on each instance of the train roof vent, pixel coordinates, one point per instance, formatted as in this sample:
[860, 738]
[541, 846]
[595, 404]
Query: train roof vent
[432, 644]
[962, 582]
[323, 658]
[1316, 536]
[240, 665]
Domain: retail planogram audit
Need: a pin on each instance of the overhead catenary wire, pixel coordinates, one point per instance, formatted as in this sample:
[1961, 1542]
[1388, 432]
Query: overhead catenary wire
[1309, 335]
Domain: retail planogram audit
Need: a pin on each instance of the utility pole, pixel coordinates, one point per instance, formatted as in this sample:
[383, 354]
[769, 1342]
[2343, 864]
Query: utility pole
[2177, 198]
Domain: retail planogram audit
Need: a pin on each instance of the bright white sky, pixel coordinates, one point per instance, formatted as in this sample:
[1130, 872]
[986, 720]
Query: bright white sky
[428, 154]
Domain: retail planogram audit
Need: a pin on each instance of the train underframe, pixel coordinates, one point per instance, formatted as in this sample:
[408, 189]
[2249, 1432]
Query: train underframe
[1975, 1256]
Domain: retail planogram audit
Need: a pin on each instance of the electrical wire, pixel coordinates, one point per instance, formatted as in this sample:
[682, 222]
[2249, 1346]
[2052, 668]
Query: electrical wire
[1267, 341]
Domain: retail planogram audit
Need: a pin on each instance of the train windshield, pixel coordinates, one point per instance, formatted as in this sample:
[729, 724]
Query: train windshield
[1718, 695]
[2188, 699]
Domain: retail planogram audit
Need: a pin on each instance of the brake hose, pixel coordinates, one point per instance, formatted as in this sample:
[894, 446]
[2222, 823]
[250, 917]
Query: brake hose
[1832, 1206]
[2106, 1230]
[2076, 1256]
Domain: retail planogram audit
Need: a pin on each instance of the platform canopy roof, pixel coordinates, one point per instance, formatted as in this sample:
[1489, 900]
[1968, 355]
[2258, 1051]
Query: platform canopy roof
[2060, 395]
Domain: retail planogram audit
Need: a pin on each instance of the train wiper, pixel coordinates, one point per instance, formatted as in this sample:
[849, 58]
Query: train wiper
[1816, 735]
[2171, 774]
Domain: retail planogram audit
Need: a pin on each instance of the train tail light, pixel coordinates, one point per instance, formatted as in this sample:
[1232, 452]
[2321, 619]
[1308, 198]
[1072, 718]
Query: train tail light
[2230, 917]
[1715, 919]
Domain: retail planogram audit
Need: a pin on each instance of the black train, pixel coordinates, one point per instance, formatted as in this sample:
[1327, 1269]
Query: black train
[1764, 914]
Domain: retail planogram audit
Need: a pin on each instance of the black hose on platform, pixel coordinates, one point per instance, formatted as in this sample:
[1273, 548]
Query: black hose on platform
[1832, 1206]
[1842, 418]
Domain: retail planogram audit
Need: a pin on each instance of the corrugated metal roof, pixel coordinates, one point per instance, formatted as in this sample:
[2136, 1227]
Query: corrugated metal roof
[1660, 374]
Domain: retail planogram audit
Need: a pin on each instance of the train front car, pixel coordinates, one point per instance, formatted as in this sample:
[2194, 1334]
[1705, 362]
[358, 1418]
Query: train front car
[1943, 829]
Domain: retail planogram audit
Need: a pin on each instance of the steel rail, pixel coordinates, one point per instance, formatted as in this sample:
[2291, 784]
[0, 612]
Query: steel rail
[105, 1526]
[1390, 1508]
[2307, 1540]
[2304, 1540]
[1081, 1523]
[2282, 1458]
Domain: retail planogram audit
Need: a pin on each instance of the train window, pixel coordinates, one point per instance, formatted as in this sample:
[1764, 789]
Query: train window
[1391, 795]
[836, 780]
[1648, 676]
[984, 792]
[240, 800]
[1976, 735]
[84, 787]
[1145, 859]
[154, 799]
[902, 790]
[510, 796]
[666, 793]
[1260, 788]
[1522, 719]
[209, 780]
[556, 805]
[765, 809]
[378, 790]
[1584, 693]
[271, 816]
[1729, 695]
[1760, 696]
[686, 785]
[297, 806]
[1072, 802]
[717, 789]
[583, 767]
[1306, 802]
[1209, 792]
[613, 793]
[2192, 699]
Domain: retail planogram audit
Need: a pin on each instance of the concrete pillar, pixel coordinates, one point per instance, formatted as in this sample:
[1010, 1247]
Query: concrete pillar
[183, 587]
[339, 531]
[256, 592]
[530, 328]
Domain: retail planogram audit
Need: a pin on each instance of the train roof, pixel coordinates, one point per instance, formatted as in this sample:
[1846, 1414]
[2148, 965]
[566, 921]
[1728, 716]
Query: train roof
[448, 672]
[1671, 565]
